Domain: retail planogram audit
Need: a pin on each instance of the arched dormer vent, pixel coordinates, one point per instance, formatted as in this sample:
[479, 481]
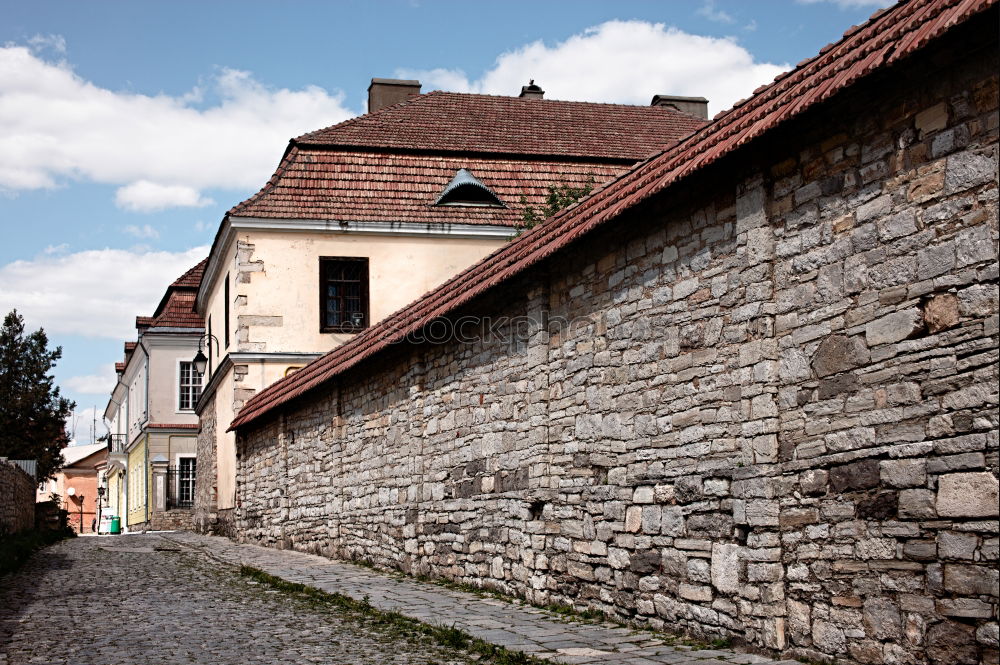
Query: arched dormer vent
[466, 190]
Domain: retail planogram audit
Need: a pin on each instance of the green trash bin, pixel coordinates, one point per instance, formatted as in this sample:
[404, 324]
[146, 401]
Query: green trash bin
[116, 524]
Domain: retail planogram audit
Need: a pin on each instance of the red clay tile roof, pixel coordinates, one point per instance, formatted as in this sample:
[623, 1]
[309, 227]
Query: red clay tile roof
[192, 278]
[143, 321]
[392, 165]
[459, 122]
[119, 367]
[176, 308]
[172, 426]
[887, 37]
[178, 311]
[129, 347]
[373, 187]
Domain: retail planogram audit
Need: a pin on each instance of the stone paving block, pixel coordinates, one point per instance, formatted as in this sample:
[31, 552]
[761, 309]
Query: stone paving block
[512, 625]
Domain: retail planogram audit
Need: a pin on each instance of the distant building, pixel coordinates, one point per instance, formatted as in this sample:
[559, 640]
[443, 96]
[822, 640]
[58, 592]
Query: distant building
[75, 484]
[151, 419]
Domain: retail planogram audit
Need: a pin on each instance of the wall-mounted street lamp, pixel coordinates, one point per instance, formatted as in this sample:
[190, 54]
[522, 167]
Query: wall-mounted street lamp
[200, 361]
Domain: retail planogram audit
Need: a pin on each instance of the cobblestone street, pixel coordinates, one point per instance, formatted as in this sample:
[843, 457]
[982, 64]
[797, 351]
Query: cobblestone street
[142, 599]
[178, 598]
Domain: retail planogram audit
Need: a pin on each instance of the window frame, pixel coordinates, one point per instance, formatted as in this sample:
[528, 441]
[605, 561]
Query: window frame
[181, 386]
[324, 262]
[193, 458]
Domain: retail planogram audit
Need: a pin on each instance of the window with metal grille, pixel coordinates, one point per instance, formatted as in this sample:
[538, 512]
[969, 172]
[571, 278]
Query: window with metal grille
[180, 483]
[190, 387]
[343, 294]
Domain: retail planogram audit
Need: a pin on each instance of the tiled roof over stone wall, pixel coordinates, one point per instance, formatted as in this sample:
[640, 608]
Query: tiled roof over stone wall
[889, 36]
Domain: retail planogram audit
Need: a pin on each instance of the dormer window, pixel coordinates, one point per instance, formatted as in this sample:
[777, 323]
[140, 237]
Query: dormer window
[466, 190]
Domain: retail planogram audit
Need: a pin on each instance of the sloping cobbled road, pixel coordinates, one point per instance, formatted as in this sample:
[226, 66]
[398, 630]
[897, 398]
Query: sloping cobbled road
[140, 599]
[518, 627]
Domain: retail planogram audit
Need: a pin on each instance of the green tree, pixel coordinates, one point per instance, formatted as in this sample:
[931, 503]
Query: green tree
[559, 197]
[32, 413]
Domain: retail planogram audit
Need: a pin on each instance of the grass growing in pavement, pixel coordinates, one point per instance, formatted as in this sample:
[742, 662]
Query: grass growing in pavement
[447, 636]
[569, 612]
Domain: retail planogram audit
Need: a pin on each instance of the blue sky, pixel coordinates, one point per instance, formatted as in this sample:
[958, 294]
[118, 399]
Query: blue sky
[127, 129]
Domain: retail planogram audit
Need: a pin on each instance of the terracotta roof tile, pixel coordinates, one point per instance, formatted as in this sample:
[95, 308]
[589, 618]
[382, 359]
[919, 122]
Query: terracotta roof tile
[372, 187]
[192, 278]
[459, 122]
[176, 308]
[886, 38]
[391, 165]
[119, 367]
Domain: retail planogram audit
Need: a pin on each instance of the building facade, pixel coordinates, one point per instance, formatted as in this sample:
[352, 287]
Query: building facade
[752, 389]
[75, 485]
[151, 420]
[364, 217]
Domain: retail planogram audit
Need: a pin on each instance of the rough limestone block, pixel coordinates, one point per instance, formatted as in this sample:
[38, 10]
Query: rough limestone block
[966, 170]
[916, 504]
[968, 580]
[903, 473]
[839, 353]
[968, 495]
[726, 567]
[894, 327]
[979, 300]
[975, 245]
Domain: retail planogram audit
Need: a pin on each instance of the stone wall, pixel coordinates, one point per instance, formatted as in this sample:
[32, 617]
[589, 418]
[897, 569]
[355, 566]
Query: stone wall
[204, 513]
[774, 416]
[17, 498]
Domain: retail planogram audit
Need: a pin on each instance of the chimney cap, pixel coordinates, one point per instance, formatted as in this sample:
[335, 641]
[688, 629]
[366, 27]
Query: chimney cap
[404, 82]
[532, 91]
[386, 92]
[696, 106]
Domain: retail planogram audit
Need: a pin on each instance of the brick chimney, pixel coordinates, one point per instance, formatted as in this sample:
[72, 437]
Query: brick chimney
[386, 92]
[532, 91]
[696, 106]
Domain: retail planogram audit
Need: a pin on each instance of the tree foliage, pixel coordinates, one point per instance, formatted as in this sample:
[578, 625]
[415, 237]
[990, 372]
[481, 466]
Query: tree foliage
[559, 197]
[32, 413]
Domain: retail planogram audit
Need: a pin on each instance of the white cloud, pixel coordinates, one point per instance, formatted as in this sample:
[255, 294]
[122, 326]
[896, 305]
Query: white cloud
[144, 231]
[95, 293]
[620, 61]
[56, 43]
[709, 11]
[93, 384]
[145, 196]
[56, 127]
[850, 4]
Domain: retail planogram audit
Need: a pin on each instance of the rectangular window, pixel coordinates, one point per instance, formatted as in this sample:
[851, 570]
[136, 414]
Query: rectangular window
[343, 294]
[226, 295]
[190, 387]
[186, 467]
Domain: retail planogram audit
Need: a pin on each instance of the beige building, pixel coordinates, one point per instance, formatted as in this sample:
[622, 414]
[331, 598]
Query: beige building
[364, 217]
[151, 419]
